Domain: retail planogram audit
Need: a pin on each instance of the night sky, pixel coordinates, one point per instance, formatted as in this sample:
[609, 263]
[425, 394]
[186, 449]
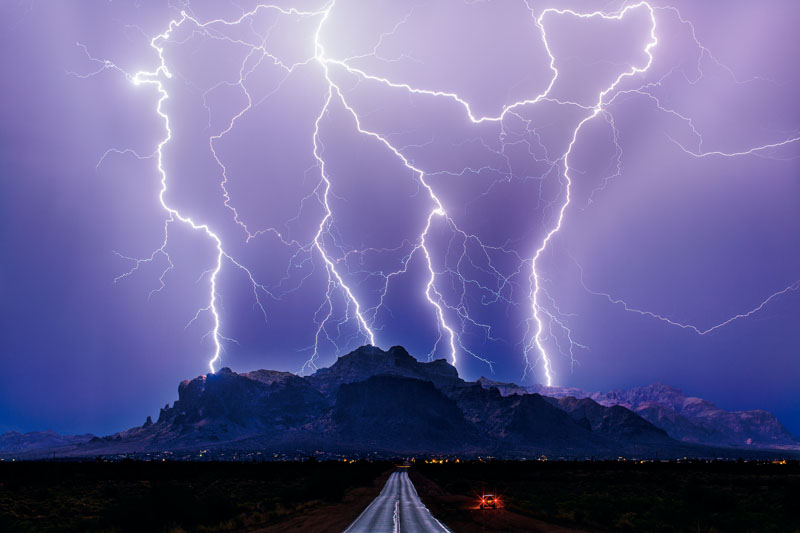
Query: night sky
[526, 189]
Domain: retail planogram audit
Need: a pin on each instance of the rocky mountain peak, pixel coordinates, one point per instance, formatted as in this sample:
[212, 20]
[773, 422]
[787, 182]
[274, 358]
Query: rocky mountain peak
[367, 361]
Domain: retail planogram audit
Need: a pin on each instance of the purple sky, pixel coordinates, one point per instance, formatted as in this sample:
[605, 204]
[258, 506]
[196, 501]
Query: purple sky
[395, 171]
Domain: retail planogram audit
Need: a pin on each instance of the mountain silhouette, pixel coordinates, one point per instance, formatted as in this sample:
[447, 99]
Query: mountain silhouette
[388, 402]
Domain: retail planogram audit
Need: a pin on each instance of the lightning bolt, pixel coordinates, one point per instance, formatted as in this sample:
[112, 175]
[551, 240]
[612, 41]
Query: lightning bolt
[794, 286]
[157, 78]
[537, 341]
[755, 151]
[546, 320]
[537, 338]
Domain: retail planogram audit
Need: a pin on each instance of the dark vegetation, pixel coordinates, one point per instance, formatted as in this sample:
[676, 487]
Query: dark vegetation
[178, 496]
[326, 496]
[620, 496]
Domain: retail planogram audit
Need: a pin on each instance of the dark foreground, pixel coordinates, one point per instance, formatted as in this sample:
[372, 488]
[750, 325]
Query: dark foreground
[185, 496]
[615, 496]
[327, 496]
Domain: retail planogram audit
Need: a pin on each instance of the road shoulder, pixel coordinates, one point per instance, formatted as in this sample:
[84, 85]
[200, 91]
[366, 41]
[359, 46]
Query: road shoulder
[457, 512]
[330, 518]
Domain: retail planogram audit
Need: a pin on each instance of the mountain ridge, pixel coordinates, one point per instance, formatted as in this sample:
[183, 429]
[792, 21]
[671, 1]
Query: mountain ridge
[684, 418]
[372, 400]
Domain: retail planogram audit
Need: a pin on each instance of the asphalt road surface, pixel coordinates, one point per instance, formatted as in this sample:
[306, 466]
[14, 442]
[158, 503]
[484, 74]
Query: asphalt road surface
[396, 509]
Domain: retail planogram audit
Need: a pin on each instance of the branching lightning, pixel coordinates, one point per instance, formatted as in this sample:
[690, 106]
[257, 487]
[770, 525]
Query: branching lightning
[794, 286]
[546, 321]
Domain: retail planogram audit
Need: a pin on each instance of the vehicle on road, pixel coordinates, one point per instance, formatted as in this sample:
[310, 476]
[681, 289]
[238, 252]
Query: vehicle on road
[489, 501]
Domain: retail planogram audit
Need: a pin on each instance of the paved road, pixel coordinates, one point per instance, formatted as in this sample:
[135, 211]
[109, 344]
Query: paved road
[396, 509]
